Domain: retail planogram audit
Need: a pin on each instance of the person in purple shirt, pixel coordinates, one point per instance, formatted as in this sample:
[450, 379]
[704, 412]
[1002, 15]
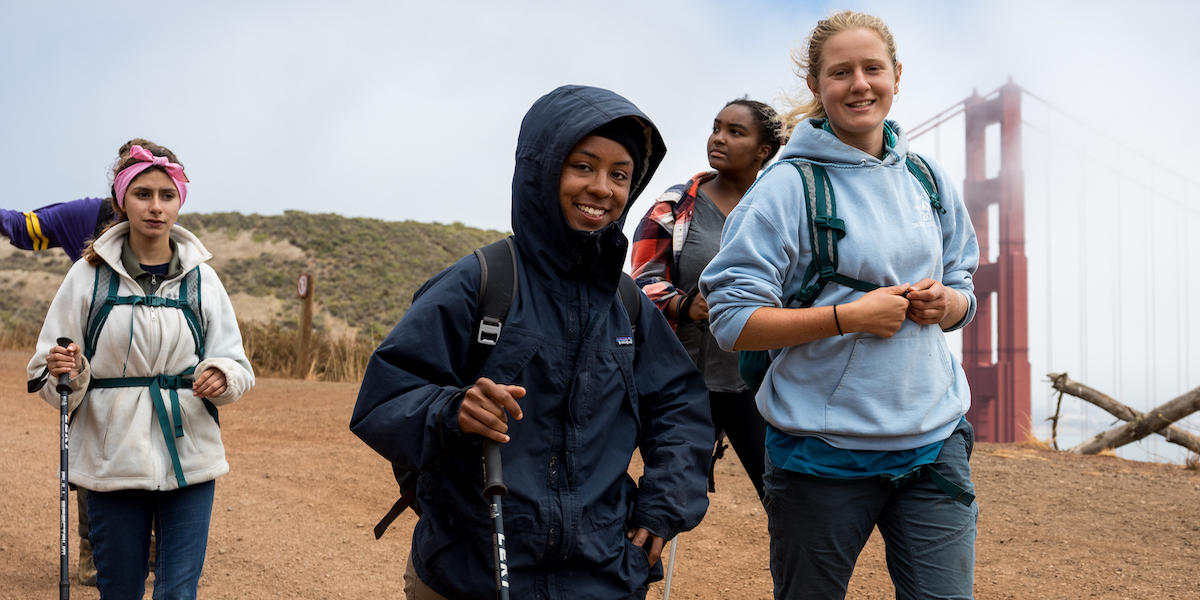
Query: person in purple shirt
[70, 226]
[67, 225]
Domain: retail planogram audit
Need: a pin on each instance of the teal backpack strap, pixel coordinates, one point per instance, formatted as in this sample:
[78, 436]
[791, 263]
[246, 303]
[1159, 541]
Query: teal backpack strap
[172, 383]
[189, 303]
[825, 229]
[920, 169]
[955, 491]
[107, 280]
[193, 311]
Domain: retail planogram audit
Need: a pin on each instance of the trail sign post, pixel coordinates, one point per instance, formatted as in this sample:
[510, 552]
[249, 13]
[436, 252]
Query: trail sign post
[304, 290]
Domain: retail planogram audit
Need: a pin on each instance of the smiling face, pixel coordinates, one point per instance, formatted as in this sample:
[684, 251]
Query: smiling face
[856, 83]
[734, 144]
[594, 185]
[152, 206]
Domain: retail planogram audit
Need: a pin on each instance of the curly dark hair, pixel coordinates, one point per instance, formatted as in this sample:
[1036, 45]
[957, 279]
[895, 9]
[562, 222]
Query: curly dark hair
[770, 126]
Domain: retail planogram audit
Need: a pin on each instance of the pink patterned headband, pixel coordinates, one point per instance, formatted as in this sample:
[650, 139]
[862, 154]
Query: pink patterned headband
[145, 161]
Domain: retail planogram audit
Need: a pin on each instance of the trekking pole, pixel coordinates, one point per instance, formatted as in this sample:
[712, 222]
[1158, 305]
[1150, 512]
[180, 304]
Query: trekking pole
[64, 391]
[493, 490]
[670, 569]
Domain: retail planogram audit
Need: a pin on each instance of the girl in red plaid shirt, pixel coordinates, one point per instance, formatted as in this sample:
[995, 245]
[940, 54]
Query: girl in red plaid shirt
[675, 241]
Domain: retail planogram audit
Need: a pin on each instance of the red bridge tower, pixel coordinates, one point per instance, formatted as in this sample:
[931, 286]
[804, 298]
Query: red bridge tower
[999, 386]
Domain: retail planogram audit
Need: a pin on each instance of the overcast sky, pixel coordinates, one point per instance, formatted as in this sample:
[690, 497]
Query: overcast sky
[404, 110]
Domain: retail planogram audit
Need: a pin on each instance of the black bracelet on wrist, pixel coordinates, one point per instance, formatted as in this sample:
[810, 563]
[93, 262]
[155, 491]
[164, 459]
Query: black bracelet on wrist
[683, 313]
[836, 321]
[683, 310]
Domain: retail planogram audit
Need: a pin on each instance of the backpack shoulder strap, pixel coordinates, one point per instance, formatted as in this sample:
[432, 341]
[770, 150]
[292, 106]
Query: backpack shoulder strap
[497, 292]
[630, 295]
[104, 297]
[193, 312]
[824, 229]
[189, 303]
[920, 169]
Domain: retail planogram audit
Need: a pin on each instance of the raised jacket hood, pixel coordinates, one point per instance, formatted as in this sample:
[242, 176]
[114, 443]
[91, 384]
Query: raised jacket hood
[553, 125]
[811, 141]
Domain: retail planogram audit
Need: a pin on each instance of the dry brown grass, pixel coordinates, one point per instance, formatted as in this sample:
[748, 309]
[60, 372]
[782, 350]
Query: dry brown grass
[20, 335]
[271, 347]
[1036, 442]
[273, 350]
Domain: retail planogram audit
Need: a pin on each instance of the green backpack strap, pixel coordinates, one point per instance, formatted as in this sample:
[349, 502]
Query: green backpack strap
[188, 301]
[106, 295]
[956, 492]
[824, 231]
[171, 383]
[920, 169]
[102, 303]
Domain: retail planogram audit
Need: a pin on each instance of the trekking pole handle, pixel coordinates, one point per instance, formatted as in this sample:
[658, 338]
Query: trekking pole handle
[64, 379]
[493, 472]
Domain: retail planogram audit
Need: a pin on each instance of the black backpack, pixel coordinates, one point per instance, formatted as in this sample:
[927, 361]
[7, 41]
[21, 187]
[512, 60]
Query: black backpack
[497, 291]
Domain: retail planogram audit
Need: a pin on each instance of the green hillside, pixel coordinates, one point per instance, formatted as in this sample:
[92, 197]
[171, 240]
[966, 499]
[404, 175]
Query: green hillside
[366, 270]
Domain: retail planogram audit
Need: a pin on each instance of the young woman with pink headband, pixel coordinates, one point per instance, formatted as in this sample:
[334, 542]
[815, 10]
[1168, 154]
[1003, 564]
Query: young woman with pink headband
[155, 350]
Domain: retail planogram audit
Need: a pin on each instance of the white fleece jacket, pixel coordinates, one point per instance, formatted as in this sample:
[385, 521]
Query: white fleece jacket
[116, 442]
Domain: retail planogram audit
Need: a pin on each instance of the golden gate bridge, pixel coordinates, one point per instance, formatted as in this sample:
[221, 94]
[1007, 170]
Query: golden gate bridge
[1088, 266]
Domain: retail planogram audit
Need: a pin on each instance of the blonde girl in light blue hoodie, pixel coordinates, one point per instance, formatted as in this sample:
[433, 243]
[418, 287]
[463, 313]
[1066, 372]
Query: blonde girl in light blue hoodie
[864, 402]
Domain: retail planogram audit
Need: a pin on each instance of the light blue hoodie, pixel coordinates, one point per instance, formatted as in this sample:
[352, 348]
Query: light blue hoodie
[858, 391]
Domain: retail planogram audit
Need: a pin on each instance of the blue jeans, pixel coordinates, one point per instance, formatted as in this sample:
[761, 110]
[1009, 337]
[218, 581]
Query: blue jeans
[819, 526]
[120, 535]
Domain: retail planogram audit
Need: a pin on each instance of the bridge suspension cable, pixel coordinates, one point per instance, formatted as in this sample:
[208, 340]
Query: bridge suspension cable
[1115, 264]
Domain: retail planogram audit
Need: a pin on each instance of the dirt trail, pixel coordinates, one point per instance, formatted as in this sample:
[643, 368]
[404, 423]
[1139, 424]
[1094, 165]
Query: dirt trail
[293, 518]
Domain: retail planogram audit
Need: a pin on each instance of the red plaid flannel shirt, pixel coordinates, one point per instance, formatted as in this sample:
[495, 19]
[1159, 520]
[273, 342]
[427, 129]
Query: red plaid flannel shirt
[659, 239]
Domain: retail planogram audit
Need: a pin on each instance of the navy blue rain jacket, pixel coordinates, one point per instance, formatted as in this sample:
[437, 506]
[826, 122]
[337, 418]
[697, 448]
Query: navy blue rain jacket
[592, 397]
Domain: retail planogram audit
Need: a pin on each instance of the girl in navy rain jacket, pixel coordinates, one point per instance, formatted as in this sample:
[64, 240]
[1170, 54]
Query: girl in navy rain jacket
[581, 394]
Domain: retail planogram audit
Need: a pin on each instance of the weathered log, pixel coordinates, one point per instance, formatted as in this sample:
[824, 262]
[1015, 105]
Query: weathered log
[1141, 426]
[1063, 383]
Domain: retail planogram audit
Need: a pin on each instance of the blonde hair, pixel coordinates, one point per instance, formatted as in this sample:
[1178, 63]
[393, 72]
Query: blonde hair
[807, 59]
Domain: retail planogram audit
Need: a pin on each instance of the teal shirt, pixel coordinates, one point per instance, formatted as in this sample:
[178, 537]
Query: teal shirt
[813, 456]
[889, 136]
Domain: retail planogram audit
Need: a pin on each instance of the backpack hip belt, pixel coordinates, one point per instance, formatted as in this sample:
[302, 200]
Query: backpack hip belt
[172, 383]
